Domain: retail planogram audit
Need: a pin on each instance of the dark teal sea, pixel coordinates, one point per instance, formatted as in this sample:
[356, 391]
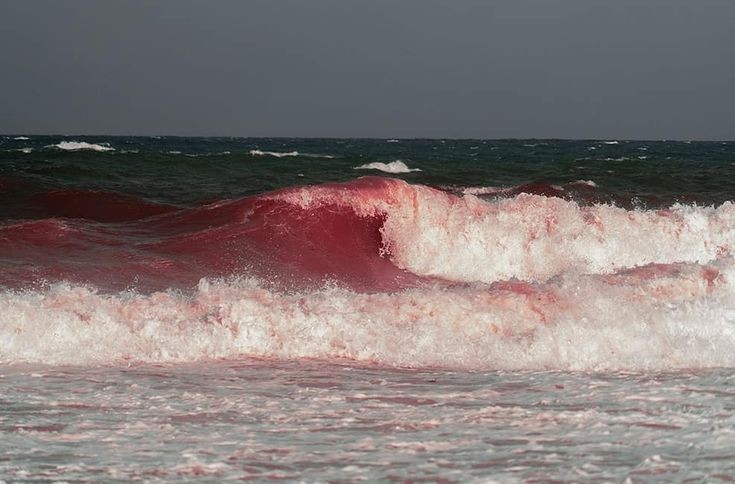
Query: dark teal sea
[185, 171]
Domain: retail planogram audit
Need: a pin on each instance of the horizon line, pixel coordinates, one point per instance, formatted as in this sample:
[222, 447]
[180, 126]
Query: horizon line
[372, 138]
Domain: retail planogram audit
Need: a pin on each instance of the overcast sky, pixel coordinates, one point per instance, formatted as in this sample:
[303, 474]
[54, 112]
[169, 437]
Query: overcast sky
[645, 69]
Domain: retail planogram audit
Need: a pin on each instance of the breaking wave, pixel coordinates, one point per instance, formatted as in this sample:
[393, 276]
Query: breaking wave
[375, 270]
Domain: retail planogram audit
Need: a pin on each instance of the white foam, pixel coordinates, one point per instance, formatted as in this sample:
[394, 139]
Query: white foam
[81, 145]
[25, 150]
[393, 167]
[679, 320]
[21, 138]
[392, 141]
[610, 142]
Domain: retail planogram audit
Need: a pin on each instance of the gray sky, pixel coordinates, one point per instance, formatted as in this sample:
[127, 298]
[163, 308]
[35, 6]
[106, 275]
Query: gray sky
[649, 69]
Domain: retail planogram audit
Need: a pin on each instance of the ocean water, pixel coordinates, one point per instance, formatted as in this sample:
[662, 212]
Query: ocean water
[318, 309]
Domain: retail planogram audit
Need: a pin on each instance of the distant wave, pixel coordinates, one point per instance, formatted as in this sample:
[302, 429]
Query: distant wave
[282, 154]
[21, 138]
[81, 145]
[277, 154]
[393, 167]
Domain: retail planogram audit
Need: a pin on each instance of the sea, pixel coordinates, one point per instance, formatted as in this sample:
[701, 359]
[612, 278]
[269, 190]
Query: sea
[338, 310]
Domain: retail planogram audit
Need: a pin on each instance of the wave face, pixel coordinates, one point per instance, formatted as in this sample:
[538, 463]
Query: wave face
[374, 270]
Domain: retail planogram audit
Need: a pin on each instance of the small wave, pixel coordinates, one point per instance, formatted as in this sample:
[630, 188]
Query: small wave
[392, 141]
[393, 167]
[588, 183]
[21, 138]
[610, 142]
[24, 150]
[200, 155]
[282, 154]
[81, 145]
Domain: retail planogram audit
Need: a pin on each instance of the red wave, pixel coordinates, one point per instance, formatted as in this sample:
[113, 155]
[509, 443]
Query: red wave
[291, 246]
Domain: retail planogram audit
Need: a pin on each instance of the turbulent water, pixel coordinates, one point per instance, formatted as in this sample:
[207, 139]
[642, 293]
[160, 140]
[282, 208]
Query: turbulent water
[557, 295]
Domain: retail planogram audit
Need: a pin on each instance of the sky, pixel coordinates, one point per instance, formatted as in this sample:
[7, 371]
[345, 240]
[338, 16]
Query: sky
[623, 69]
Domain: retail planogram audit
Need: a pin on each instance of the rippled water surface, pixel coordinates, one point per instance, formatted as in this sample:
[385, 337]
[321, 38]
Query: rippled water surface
[317, 421]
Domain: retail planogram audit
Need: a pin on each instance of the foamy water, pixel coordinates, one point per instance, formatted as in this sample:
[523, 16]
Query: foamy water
[319, 421]
[673, 317]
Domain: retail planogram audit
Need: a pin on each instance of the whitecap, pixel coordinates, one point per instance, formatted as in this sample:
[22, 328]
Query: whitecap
[81, 145]
[277, 154]
[393, 167]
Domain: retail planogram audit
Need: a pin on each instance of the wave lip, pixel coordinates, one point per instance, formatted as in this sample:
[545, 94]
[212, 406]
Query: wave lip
[81, 145]
[394, 167]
